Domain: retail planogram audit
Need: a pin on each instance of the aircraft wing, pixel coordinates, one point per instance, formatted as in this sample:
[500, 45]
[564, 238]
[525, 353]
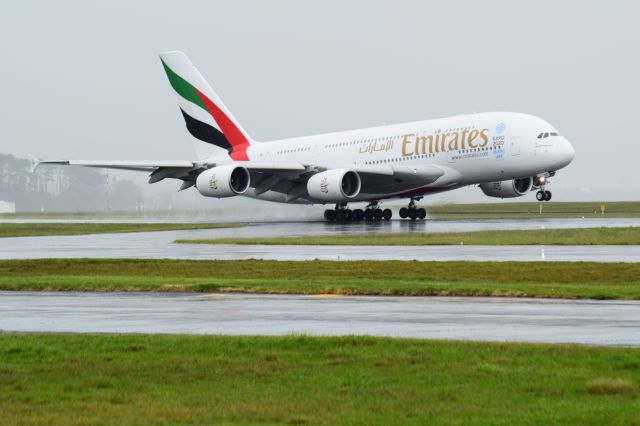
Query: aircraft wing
[375, 179]
[288, 178]
[389, 179]
[141, 166]
[187, 171]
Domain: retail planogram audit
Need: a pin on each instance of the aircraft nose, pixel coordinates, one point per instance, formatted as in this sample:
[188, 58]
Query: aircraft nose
[566, 152]
[570, 152]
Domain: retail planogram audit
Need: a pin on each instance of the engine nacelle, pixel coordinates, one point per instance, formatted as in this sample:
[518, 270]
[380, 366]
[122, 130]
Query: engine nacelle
[223, 181]
[507, 188]
[334, 185]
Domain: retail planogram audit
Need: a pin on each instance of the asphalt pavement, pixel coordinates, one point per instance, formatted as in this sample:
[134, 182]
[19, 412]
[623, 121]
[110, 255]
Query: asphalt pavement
[484, 319]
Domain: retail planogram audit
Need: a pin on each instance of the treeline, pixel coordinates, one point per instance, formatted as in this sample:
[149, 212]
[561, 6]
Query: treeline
[64, 188]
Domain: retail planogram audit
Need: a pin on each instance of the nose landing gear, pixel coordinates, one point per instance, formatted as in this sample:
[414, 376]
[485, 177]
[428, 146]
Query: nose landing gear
[543, 195]
[412, 212]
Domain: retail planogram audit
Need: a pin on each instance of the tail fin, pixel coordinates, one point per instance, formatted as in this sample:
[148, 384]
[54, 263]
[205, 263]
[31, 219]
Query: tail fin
[206, 117]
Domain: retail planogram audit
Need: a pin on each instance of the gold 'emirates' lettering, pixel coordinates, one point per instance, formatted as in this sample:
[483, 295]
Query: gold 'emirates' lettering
[413, 144]
[406, 141]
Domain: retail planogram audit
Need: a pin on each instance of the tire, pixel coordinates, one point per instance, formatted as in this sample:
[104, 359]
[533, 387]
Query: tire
[348, 215]
[404, 213]
[547, 195]
[377, 214]
[386, 214]
[368, 215]
[412, 214]
[330, 215]
[339, 215]
[421, 213]
[357, 215]
[540, 196]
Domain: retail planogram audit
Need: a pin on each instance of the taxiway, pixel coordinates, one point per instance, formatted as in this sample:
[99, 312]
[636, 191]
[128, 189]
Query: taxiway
[485, 319]
[159, 245]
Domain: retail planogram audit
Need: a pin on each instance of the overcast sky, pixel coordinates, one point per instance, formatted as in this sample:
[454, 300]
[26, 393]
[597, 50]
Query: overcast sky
[83, 80]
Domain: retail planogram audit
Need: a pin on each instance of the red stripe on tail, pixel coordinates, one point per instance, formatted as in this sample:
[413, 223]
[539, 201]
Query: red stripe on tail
[236, 138]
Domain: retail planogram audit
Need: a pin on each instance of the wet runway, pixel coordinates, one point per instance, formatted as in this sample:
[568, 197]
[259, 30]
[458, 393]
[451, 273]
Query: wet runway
[160, 244]
[486, 319]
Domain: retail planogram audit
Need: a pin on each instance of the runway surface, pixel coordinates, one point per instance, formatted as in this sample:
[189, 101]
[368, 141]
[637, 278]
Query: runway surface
[485, 319]
[160, 244]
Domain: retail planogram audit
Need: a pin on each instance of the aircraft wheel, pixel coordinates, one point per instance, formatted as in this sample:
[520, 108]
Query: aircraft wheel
[357, 215]
[386, 214]
[404, 213]
[540, 196]
[368, 215]
[547, 195]
[330, 215]
[421, 213]
[377, 214]
[348, 215]
[339, 215]
[412, 214]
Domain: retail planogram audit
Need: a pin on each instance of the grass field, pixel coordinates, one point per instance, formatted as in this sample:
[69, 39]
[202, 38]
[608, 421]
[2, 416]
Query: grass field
[553, 279]
[591, 209]
[574, 236]
[42, 229]
[88, 379]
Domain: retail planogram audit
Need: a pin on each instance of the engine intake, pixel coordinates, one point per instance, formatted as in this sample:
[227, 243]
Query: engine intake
[223, 181]
[507, 188]
[334, 185]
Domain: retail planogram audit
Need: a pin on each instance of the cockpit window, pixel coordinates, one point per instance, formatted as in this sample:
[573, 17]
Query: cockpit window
[544, 135]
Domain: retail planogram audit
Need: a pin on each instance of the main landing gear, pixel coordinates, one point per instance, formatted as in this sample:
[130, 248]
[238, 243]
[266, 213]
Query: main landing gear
[412, 212]
[371, 213]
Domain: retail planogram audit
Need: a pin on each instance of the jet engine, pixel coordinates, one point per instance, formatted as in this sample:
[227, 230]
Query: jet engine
[507, 188]
[223, 181]
[334, 186]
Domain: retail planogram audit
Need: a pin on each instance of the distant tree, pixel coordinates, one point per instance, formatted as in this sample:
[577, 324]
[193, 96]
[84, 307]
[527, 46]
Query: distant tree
[59, 188]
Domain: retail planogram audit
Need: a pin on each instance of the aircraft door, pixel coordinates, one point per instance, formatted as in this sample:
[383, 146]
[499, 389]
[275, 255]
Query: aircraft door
[514, 146]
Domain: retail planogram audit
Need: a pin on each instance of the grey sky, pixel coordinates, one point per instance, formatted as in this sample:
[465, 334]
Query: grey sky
[83, 80]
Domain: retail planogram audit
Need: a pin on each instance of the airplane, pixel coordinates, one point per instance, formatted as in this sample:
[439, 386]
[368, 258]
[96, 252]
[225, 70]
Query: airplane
[506, 154]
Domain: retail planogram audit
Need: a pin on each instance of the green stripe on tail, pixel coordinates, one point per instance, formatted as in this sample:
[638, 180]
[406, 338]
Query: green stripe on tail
[183, 88]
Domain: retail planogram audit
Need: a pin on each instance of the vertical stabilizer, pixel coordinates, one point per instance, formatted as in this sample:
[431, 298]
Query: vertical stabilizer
[206, 117]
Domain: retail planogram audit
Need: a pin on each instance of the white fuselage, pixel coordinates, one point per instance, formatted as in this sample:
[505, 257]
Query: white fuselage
[507, 154]
[470, 149]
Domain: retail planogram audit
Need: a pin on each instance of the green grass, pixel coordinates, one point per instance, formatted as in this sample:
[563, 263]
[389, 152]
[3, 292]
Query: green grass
[43, 229]
[140, 380]
[571, 236]
[534, 279]
[590, 209]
